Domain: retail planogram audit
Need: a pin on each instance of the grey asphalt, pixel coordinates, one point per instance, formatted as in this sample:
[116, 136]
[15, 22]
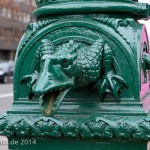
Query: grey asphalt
[6, 88]
[6, 97]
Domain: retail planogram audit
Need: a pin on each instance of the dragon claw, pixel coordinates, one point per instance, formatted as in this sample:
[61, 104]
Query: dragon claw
[29, 80]
[110, 83]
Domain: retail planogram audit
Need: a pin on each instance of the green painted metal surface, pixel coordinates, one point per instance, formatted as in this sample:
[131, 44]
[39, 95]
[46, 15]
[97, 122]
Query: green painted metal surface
[78, 78]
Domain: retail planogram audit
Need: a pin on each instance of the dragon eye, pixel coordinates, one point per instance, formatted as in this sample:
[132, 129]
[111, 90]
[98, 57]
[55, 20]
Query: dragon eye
[65, 63]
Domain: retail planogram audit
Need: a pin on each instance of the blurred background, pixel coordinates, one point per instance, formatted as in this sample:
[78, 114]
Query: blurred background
[15, 15]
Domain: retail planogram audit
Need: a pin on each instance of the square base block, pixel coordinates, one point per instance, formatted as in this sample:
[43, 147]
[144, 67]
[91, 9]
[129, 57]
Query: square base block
[74, 144]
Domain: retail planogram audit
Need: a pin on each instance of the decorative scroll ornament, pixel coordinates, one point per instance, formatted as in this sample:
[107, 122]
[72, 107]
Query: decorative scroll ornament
[71, 65]
[95, 127]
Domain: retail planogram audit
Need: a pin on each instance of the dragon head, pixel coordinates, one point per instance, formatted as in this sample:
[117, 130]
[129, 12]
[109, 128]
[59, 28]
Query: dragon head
[53, 79]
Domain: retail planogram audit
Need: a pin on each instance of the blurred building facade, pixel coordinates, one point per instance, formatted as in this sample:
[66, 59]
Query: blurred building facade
[14, 17]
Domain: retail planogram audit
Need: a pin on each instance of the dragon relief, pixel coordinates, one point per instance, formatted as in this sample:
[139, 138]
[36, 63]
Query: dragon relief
[68, 66]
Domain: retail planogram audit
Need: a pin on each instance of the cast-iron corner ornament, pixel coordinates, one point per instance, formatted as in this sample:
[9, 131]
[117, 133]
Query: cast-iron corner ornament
[82, 71]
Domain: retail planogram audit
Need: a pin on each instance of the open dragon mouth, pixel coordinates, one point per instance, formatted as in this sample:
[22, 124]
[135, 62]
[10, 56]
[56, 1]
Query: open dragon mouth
[50, 102]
